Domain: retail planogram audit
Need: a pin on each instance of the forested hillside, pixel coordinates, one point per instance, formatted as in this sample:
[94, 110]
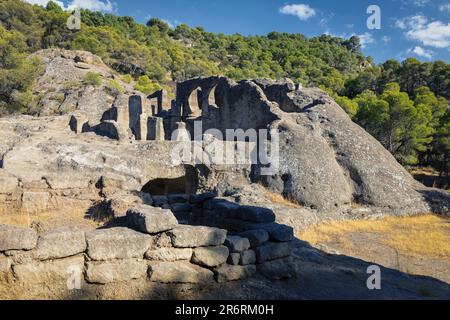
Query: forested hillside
[403, 104]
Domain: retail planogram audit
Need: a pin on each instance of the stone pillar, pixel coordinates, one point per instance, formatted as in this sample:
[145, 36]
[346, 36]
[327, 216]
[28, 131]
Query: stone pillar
[143, 122]
[181, 134]
[155, 129]
[123, 117]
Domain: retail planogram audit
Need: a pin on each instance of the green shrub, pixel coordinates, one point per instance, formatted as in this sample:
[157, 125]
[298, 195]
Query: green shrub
[92, 79]
[127, 78]
[71, 85]
[146, 86]
[115, 88]
[60, 97]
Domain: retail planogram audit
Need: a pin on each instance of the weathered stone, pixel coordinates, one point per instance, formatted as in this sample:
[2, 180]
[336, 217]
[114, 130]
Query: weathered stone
[49, 272]
[103, 272]
[20, 257]
[5, 265]
[119, 204]
[177, 198]
[151, 220]
[210, 256]
[234, 258]
[36, 202]
[8, 184]
[226, 209]
[179, 272]
[61, 182]
[162, 241]
[183, 217]
[256, 237]
[17, 238]
[169, 254]
[247, 257]
[200, 198]
[237, 244]
[117, 243]
[272, 251]
[256, 214]
[60, 244]
[181, 207]
[227, 273]
[159, 201]
[277, 232]
[197, 236]
[278, 269]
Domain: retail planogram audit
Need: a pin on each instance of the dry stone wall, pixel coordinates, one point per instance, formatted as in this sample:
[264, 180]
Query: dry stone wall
[155, 246]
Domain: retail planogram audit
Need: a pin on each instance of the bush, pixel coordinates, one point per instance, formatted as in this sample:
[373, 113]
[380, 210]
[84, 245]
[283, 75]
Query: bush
[92, 79]
[127, 78]
[71, 85]
[146, 86]
[115, 88]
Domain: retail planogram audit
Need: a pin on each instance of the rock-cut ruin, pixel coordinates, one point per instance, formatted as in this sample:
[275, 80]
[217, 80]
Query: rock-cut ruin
[110, 155]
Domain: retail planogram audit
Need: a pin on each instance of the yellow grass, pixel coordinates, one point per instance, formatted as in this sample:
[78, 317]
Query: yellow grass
[54, 219]
[279, 199]
[425, 235]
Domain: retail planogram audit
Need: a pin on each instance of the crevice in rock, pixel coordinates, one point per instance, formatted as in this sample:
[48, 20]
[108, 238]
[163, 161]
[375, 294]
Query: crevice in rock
[348, 170]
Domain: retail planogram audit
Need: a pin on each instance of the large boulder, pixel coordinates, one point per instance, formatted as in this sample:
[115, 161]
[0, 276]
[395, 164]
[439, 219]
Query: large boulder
[17, 238]
[169, 254]
[197, 236]
[60, 244]
[179, 272]
[103, 272]
[227, 273]
[210, 256]
[49, 272]
[237, 244]
[117, 243]
[151, 220]
[272, 251]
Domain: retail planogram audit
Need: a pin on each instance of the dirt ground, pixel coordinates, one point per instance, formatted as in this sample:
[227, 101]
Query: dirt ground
[413, 245]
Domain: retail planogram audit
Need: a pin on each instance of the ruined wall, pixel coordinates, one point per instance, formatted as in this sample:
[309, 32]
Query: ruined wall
[224, 104]
[154, 246]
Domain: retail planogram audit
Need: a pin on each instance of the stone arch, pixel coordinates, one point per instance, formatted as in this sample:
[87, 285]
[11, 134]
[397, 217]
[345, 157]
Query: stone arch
[212, 97]
[195, 102]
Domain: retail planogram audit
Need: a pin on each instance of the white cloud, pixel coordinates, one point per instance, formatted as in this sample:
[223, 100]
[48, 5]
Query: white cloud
[435, 34]
[366, 39]
[445, 7]
[93, 5]
[302, 11]
[44, 2]
[421, 52]
[421, 3]
[386, 39]
[429, 33]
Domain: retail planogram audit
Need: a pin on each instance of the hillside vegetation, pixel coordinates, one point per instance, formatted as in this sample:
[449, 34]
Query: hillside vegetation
[404, 105]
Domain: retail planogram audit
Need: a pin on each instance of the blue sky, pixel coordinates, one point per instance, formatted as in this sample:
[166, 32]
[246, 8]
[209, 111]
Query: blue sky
[409, 28]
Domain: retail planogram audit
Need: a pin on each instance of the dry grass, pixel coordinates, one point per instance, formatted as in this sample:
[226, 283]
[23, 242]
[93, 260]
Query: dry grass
[53, 219]
[279, 199]
[425, 235]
